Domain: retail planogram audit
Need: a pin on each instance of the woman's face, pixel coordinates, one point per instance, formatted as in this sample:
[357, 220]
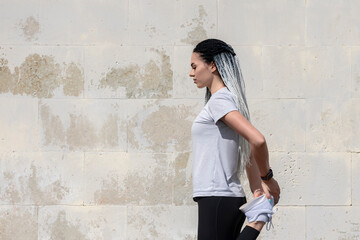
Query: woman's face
[201, 72]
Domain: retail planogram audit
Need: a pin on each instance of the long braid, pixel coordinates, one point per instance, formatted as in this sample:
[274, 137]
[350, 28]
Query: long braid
[229, 69]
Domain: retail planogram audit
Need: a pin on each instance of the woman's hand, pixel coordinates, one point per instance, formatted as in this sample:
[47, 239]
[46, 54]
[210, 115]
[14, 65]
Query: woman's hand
[271, 187]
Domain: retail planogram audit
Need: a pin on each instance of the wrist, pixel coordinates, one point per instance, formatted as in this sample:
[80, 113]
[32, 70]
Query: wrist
[267, 181]
[268, 176]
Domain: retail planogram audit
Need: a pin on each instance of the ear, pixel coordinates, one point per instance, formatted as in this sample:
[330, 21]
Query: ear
[213, 67]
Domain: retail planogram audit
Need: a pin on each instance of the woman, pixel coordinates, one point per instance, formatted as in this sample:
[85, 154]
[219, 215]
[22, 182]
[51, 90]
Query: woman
[224, 145]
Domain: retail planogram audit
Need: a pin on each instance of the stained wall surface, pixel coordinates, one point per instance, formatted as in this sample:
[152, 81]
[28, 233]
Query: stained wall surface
[96, 108]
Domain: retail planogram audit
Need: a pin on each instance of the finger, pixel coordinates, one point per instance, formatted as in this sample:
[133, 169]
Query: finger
[267, 194]
[266, 190]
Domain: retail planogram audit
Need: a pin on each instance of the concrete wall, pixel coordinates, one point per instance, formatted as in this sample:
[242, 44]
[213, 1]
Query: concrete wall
[96, 110]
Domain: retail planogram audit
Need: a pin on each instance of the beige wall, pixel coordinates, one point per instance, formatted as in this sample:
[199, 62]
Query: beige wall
[96, 108]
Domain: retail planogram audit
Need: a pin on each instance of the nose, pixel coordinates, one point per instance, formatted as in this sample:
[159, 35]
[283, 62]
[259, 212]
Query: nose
[191, 74]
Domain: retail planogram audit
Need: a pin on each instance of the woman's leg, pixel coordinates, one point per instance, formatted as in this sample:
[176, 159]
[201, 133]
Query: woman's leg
[257, 225]
[251, 231]
[206, 216]
[248, 233]
[220, 217]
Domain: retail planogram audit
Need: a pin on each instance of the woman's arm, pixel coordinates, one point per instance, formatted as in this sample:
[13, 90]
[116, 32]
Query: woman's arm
[259, 150]
[252, 173]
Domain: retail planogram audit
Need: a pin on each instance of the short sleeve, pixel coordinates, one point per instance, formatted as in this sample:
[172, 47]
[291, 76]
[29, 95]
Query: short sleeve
[221, 104]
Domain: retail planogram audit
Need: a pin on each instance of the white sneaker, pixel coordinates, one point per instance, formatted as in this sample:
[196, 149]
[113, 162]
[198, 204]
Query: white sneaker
[260, 209]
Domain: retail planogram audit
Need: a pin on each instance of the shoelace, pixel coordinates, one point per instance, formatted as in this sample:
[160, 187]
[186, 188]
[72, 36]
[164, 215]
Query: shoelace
[269, 224]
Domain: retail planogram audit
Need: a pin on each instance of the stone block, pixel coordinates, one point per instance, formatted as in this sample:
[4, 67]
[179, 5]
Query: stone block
[282, 227]
[197, 21]
[332, 125]
[42, 72]
[162, 222]
[20, 23]
[83, 23]
[122, 178]
[19, 222]
[41, 178]
[275, 22]
[18, 124]
[332, 223]
[85, 125]
[171, 22]
[313, 178]
[82, 222]
[306, 72]
[332, 22]
[129, 72]
[162, 125]
[281, 121]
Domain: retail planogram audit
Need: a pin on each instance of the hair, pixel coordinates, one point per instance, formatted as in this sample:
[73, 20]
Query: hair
[227, 64]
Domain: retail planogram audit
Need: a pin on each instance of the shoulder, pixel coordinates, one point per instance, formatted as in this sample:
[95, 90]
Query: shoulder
[223, 99]
[223, 95]
[221, 103]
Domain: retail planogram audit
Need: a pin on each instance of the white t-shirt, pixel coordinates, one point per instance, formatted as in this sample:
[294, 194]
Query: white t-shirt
[215, 149]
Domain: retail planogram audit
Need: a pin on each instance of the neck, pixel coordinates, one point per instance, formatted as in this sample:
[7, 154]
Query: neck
[216, 84]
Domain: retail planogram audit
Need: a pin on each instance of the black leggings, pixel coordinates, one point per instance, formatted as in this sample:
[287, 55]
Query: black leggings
[219, 218]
